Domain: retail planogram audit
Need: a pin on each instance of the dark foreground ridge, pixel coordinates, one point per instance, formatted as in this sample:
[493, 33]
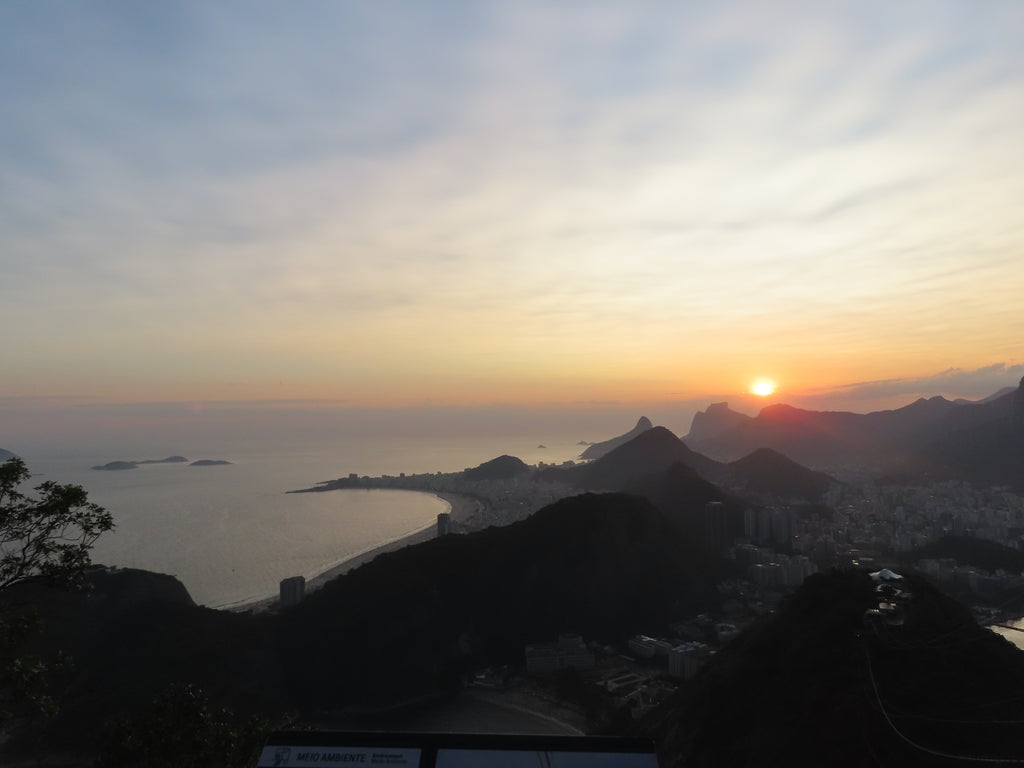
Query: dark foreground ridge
[825, 681]
[406, 627]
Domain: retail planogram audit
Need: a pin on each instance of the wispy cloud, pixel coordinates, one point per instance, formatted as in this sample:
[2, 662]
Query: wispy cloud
[952, 383]
[230, 188]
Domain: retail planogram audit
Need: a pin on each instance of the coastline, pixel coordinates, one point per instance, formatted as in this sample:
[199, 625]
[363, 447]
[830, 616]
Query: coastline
[461, 508]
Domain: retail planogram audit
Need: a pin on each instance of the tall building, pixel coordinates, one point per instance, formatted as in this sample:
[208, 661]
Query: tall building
[293, 589]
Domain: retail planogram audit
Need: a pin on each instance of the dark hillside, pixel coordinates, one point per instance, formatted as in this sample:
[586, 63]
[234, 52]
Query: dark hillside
[683, 497]
[130, 636]
[769, 473]
[817, 684]
[406, 624]
[502, 468]
[968, 550]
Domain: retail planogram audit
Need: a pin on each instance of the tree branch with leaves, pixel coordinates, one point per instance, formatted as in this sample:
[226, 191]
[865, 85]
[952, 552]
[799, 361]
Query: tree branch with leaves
[46, 538]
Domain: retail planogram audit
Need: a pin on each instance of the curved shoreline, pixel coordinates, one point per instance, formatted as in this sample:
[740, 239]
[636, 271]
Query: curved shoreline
[461, 508]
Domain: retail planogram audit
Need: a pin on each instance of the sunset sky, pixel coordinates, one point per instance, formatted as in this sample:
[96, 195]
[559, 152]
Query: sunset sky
[467, 203]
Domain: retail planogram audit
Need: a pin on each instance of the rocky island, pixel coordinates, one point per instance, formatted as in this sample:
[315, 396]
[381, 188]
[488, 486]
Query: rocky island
[117, 465]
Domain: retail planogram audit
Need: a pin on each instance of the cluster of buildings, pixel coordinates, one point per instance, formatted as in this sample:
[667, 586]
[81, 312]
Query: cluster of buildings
[638, 680]
[877, 517]
[767, 568]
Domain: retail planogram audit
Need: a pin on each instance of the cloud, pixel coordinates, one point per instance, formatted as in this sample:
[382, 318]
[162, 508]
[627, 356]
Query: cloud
[428, 180]
[952, 383]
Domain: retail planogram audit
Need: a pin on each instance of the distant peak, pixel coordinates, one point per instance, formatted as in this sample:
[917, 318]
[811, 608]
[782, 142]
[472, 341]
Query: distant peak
[597, 450]
[714, 420]
[781, 410]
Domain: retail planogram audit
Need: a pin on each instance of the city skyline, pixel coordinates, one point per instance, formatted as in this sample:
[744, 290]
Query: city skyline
[477, 205]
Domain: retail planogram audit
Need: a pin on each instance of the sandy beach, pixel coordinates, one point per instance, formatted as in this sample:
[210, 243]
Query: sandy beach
[463, 509]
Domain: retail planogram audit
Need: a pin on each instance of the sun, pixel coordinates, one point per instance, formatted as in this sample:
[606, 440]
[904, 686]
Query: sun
[762, 387]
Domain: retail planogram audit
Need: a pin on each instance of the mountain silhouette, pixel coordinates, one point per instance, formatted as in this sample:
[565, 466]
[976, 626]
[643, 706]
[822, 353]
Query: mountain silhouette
[718, 418]
[985, 447]
[768, 473]
[650, 453]
[597, 450]
[502, 468]
[975, 441]
[692, 504]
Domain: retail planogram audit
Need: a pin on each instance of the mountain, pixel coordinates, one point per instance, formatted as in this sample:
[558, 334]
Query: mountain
[696, 507]
[597, 450]
[650, 453]
[767, 473]
[824, 681]
[880, 439]
[5, 455]
[718, 418]
[502, 468]
[986, 449]
[994, 396]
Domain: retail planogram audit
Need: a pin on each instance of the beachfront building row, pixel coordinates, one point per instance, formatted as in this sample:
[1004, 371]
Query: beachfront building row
[569, 651]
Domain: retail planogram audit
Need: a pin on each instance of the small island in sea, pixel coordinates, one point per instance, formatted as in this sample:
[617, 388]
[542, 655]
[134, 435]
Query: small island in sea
[135, 464]
[112, 466]
[209, 463]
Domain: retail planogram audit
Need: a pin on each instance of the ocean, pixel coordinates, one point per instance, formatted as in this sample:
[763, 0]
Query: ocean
[230, 533]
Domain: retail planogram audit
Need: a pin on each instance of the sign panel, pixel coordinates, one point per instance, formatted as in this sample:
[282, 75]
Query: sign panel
[320, 749]
[307, 756]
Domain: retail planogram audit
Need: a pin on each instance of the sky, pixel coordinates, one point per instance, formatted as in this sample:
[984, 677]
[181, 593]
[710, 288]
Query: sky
[399, 205]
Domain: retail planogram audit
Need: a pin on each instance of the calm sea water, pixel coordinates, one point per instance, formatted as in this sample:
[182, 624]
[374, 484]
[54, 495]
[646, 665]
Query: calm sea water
[231, 533]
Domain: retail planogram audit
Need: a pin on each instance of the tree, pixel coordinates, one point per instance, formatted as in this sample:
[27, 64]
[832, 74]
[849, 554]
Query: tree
[45, 539]
[183, 728]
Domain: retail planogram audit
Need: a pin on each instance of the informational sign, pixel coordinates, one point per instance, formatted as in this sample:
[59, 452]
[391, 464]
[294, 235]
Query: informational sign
[449, 750]
[304, 755]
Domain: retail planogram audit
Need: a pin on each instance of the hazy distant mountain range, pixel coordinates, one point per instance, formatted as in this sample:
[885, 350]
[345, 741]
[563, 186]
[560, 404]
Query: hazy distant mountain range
[981, 442]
